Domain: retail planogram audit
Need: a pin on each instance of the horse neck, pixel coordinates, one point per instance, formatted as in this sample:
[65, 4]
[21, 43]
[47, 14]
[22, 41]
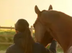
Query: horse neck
[61, 40]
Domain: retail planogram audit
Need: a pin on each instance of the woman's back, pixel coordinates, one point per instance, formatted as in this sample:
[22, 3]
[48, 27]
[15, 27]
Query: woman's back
[37, 48]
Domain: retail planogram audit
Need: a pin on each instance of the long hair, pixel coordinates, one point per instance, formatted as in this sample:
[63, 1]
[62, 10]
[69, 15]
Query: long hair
[27, 42]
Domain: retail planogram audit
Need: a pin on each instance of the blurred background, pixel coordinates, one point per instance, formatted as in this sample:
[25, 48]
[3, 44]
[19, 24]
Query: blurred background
[12, 10]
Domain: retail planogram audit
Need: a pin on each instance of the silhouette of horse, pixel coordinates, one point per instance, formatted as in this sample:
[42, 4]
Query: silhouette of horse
[58, 24]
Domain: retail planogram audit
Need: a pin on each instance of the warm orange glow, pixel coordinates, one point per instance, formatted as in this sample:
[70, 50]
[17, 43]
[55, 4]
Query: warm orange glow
[12, 10]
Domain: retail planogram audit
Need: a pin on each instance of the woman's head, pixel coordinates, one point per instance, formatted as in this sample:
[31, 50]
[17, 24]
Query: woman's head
[21, 25]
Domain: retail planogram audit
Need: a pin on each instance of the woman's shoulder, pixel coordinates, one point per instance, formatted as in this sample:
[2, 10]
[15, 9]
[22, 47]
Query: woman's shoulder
[13, 49]
[10, 48]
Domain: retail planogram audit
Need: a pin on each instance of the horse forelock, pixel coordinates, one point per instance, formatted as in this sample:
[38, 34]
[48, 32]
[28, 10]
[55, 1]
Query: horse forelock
[44, 11]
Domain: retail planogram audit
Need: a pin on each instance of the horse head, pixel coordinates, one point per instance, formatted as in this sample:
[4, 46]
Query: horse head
[41, 34]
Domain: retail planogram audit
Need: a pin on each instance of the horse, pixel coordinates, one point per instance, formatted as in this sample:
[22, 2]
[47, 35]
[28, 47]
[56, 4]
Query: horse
[45, 40]
[58, 24]
[45, 37]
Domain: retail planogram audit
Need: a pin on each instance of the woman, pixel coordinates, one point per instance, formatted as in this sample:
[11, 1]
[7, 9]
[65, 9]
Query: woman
[23, 42]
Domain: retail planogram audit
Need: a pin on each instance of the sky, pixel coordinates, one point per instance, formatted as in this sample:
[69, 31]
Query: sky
[12, 10]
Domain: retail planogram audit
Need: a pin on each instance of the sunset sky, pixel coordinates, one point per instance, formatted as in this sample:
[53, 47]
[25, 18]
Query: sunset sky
[12, 10]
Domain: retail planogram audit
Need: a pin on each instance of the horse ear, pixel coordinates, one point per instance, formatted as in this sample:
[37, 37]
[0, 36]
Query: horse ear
[50, 7]
[37, 11]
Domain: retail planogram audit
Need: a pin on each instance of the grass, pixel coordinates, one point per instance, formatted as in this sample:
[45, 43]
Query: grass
[4, 46]
[7, 32]
[2, 51]
[6, 37]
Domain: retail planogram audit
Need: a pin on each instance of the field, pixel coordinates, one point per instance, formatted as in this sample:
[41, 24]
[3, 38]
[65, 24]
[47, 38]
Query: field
[6, 39]
[2, 51]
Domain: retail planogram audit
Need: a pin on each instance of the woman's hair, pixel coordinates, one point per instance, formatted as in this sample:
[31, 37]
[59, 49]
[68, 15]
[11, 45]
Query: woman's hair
[21, 25]
[27, 42]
